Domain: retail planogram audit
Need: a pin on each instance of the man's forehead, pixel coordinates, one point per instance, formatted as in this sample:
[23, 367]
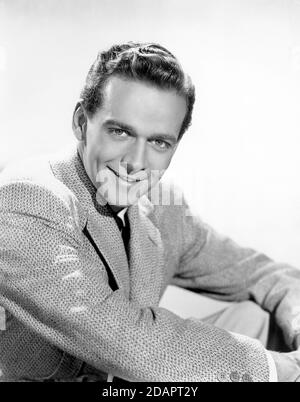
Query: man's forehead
[117, 86]
[126, 98]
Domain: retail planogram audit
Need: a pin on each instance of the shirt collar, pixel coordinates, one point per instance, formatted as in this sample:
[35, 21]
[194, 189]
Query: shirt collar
[121, 214]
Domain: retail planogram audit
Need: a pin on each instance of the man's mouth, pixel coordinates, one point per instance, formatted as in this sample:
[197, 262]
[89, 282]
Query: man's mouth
[125, 178]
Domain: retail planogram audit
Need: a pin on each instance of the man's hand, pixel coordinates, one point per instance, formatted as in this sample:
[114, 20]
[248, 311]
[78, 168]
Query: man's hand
[288, 366]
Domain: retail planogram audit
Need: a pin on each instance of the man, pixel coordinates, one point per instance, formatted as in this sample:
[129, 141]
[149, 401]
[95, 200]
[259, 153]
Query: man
[85, 256]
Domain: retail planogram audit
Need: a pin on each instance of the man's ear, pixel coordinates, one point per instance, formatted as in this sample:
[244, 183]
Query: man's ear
[79, 122]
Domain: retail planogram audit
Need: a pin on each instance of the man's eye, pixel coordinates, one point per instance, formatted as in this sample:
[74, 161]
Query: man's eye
[162, 145]
[118, 132]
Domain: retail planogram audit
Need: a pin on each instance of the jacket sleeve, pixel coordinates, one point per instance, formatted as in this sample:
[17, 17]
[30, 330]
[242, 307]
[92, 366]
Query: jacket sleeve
[217, 266]
[50, 284]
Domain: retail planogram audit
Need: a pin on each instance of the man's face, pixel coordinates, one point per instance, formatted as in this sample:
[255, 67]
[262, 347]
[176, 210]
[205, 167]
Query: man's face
[131, 139]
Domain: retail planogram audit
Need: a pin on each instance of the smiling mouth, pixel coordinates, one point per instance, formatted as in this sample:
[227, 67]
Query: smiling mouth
[125, 178]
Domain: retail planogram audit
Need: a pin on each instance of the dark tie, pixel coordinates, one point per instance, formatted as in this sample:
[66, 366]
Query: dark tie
[125, 231]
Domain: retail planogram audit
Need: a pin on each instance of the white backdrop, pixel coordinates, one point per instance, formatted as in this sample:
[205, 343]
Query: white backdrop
[239, 162]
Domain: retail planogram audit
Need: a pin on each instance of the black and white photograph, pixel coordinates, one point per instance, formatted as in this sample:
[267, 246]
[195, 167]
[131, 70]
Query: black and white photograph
[149, 193]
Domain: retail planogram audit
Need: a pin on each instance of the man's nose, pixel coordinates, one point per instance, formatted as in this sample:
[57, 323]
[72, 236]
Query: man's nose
[135, 158]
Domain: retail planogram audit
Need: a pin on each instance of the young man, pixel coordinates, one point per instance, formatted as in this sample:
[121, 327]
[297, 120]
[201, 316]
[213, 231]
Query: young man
[85, 256]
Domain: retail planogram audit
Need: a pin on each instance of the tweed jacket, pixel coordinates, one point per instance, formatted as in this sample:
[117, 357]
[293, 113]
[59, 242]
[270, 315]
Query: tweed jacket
[73, 299]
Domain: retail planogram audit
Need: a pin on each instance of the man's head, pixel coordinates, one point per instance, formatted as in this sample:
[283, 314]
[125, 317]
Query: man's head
[136, 105]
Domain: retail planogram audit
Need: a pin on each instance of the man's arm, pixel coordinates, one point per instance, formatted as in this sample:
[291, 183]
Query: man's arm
[51, 284]
[217, 266]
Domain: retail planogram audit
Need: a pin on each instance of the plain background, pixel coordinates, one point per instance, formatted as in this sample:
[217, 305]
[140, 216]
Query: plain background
[239, 163]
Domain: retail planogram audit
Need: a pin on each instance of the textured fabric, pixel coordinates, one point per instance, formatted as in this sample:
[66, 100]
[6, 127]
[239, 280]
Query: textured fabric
[249, 319]
[245, 318]
[60, 308]
[2, 319]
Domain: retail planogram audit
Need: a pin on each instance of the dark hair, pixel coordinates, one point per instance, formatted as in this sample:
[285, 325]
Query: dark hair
[148, 62]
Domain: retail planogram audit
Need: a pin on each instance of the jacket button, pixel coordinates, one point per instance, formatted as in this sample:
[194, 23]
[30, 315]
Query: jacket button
[234, 376]
[247, 378]
[222, 377]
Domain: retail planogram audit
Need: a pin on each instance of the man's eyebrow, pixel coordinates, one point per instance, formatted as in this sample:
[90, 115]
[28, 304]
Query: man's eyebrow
[126, 127]
[123, 126]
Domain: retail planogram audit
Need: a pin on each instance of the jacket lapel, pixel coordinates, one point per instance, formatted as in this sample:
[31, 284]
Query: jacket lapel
[107, 236]
[146, 255]
[99, 221]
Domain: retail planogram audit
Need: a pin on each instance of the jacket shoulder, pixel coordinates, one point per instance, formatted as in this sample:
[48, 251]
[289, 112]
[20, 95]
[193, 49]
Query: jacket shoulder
[30, 187]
